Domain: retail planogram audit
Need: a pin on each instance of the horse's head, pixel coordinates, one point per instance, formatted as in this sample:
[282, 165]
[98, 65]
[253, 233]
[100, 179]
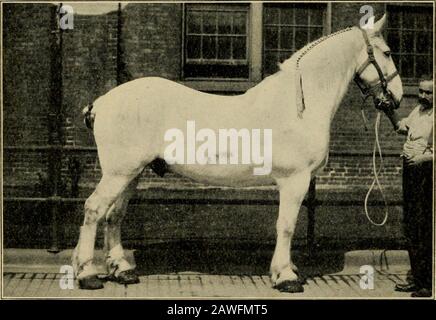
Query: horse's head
[376, 74]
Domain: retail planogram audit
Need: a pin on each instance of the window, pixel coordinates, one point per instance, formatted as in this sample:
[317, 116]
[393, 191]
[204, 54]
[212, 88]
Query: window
[216, 41]
[410, 37]
[288, 28]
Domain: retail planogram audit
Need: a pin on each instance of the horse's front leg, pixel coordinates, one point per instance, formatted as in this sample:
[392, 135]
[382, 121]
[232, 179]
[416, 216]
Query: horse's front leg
[119, 269]
[292, 192]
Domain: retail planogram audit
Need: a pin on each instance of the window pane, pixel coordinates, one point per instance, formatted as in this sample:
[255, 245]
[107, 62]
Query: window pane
[271, 15]
[209, 47]
[408, 21]
[301, 16]
[411, 25]
[193, 47]
[287, 14]
[421, 22]
[421, 42]
[422, 66]
[224, 23]
[316, 17]
[284, 55]
[429, 21]
[239, 48]
[407, 66]
[271, 62]
[239, 24]
[393, 41]
[220, 39]
[300, 38]
[194, 22]
[224, 48]
[394, 19]
[271, 38]
[286, 38]
[315, 33]
[209, 22]
[407, 42]
[396, 59]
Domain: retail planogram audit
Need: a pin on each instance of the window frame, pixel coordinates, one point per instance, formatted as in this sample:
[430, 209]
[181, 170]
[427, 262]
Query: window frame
[295, 25]
[222, 7]
[255, 54]
[410, 84]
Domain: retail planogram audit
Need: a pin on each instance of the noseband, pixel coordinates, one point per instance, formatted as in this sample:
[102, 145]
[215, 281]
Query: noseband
[368, 89]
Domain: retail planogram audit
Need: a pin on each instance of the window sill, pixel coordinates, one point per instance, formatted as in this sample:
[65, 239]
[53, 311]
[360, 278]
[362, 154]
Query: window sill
[220, 85]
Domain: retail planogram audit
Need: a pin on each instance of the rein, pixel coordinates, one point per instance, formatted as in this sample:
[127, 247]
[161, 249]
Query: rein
[376, 173]
[368, 90]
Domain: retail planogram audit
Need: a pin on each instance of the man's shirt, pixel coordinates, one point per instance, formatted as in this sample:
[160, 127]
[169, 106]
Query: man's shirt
[419, 129]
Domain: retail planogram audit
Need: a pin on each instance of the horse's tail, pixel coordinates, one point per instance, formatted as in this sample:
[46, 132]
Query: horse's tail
[89, 116]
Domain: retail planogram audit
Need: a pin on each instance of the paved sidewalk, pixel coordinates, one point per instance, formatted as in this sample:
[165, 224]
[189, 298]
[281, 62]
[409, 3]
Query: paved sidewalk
[203, 285]
[35, 273]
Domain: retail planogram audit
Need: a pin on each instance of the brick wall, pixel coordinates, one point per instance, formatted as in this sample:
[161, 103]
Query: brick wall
[151, 39]
[26, 85]
[149, 45]
[26, 73]
[89, 69]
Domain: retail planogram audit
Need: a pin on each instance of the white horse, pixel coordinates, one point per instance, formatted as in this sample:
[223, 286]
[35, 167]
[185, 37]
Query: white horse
[298, 103]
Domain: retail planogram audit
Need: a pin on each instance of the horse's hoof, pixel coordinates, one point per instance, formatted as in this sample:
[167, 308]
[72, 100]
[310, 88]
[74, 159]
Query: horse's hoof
[91, 283]
[291, 286]
[127, 277]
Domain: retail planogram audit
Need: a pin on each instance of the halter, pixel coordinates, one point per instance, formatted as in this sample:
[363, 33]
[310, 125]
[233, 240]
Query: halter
[367, 89]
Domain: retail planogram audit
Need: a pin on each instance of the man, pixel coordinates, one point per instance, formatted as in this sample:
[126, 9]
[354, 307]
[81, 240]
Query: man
[417, 188]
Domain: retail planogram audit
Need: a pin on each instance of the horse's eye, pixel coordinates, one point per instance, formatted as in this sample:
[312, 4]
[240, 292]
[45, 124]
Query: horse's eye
[387, 53]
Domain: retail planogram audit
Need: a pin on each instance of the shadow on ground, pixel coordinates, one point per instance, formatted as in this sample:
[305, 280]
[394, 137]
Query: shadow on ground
[228, 259]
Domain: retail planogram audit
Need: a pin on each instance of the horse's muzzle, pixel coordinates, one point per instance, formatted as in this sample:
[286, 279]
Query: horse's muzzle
[386, 101]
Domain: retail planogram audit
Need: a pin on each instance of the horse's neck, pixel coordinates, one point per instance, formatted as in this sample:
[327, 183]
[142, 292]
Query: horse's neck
[327, 71]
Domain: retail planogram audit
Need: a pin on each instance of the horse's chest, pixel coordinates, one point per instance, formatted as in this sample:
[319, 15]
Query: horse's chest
[296, 150]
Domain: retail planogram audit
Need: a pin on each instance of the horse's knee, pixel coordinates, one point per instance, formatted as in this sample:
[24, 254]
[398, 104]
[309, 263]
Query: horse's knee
[285, 227]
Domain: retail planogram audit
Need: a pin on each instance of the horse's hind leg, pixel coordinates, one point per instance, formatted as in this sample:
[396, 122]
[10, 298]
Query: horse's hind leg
[119, 269]
[96, 207]
[292, 192]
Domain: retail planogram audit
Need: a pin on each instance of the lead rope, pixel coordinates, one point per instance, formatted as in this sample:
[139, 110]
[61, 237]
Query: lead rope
[376, 174]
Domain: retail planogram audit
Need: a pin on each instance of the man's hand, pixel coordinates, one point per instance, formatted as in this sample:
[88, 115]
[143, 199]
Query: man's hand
[418, 159]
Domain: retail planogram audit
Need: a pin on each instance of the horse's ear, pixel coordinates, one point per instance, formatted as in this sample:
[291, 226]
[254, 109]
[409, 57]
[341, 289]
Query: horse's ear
[379, 25]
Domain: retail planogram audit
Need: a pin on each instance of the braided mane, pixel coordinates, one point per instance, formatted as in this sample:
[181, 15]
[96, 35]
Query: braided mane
[303, 51]
[293, 65]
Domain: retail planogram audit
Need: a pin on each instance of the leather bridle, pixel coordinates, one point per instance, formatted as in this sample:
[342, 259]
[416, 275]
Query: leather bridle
[368, 89]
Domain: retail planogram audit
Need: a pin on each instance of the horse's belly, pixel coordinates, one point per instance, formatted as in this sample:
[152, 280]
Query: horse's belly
[231, 175]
